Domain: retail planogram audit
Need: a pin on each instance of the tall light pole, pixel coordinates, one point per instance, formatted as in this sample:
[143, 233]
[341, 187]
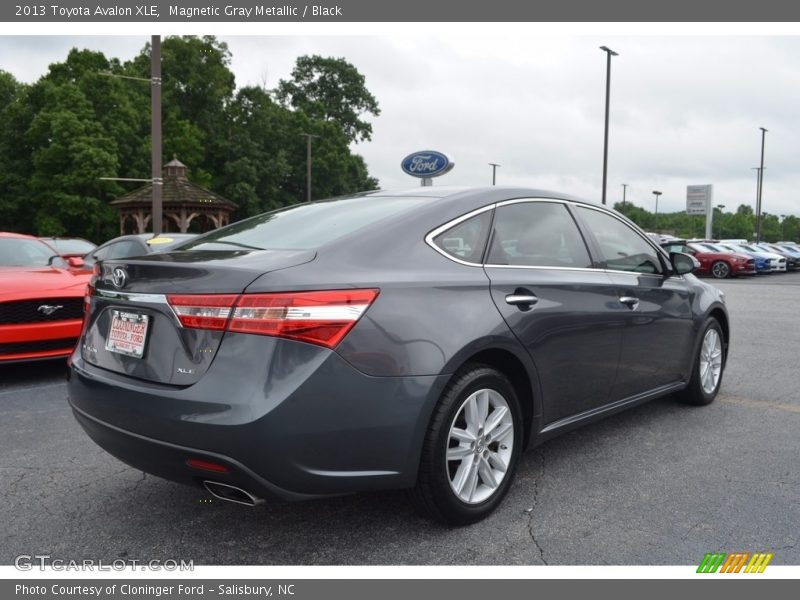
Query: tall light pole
[308, 164]
[156, 180]
[783, 218]
[656, 193]
[624, 191]
[719, 228]
[609, 53]
[494, 171]
[155, 131]
[760, 187]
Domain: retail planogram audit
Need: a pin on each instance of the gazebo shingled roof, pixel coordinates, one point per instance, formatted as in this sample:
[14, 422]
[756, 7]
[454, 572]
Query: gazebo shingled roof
[182, 201]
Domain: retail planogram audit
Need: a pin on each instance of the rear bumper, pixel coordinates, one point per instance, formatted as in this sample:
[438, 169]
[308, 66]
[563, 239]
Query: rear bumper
[168, 461]
[319, 428]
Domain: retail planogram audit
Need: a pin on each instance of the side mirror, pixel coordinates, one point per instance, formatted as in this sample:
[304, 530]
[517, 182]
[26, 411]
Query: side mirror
[76, 262]
[683, 263]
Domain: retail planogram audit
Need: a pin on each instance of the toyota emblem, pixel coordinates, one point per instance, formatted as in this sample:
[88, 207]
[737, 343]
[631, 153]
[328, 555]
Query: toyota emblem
[119, 277]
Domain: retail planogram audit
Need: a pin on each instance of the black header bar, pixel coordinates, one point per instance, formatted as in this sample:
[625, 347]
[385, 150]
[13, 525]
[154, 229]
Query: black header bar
[414, 11]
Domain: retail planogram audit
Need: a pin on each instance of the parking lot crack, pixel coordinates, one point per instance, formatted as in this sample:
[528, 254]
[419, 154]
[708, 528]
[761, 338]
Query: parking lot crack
[12, 486]
[537, 482]
[688, 531]
[139, 481]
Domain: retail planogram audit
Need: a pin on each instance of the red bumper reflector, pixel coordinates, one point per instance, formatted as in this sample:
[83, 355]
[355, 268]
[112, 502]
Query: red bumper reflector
[204, 465]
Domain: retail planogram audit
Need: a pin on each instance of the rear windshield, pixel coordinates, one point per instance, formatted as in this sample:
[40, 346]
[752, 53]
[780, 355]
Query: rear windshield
[305, 226]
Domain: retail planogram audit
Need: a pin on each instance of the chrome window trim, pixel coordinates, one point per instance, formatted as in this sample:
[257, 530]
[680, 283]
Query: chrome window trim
[453, 223]
[429, 237]
[585, 269]
[523, 200]
[543, 268]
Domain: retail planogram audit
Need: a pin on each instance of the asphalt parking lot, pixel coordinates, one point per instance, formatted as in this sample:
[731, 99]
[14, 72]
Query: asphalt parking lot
[661, 484]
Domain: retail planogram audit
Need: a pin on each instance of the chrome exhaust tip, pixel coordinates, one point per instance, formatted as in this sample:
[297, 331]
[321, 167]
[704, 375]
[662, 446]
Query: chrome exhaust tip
[231, 493]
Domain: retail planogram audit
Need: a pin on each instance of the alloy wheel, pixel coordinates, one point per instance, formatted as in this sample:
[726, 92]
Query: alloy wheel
[710, 361]
[720, 270]
[480, 446]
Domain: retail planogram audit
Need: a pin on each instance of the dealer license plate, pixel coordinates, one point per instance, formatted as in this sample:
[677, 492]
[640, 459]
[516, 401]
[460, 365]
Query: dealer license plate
[127, 333]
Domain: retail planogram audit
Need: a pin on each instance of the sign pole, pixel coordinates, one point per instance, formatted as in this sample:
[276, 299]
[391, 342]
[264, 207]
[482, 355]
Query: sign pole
[709, 213]
[155, 132]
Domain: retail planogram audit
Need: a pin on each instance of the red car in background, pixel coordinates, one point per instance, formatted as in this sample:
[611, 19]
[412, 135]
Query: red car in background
[41, 300]
[717, 264]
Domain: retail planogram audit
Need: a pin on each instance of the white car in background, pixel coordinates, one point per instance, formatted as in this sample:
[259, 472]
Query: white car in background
[777, 262]
[792, 256]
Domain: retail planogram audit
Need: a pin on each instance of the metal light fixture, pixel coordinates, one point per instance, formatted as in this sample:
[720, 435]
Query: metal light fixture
[656, 193]
[609, 53]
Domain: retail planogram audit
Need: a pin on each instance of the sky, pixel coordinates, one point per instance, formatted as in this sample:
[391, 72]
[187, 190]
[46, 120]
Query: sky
[685, 110]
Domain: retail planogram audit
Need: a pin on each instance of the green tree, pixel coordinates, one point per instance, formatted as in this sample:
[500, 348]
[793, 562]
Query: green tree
[740, 225]
[770, 228]
[197, 87]
[16, 213]
[76, 125]
[70, 153]
[790, 229]
[330, 89]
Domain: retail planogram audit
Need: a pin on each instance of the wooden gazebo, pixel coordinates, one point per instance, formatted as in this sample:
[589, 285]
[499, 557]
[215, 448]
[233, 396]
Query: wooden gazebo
[186, 206]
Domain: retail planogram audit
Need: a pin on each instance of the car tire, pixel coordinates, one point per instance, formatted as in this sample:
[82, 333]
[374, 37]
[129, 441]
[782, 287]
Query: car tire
[708, 366]
[720, 270]
[471, 448]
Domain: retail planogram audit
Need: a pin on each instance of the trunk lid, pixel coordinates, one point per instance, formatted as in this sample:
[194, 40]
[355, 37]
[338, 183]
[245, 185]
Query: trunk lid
[132, 327]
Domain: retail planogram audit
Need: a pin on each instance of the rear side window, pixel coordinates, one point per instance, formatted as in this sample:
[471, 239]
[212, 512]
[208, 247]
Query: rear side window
[622, 248]
[124, 249]
[537, 234]
[466, 240]
[305, 226]
[679, 248]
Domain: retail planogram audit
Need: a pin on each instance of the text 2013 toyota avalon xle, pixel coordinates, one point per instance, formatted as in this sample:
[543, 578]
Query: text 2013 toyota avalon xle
[388, 340]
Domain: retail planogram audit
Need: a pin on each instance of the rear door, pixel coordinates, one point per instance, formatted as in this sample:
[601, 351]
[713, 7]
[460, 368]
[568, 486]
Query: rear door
[559, 307]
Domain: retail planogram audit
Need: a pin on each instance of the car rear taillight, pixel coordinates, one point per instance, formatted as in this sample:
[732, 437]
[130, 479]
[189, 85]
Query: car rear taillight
[320, 317]
[87, 303]
[207, 311]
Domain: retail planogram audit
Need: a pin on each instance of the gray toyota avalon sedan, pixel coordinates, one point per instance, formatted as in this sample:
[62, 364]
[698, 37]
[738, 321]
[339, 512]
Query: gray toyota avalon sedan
[419, 339]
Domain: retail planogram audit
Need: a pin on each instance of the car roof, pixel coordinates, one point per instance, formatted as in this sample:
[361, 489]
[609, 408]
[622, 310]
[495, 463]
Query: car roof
[9, 234]
[62, 237]
[461, 192]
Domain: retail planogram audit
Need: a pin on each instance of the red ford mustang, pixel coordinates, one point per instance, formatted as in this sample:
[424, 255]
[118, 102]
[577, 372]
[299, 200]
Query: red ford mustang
[41, 300]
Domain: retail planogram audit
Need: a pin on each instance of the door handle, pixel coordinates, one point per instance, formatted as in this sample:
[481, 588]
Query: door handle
[629, 301]
[521, 300]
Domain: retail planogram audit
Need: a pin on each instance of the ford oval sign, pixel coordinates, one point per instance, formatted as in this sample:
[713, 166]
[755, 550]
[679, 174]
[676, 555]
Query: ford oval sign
[427, 163]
